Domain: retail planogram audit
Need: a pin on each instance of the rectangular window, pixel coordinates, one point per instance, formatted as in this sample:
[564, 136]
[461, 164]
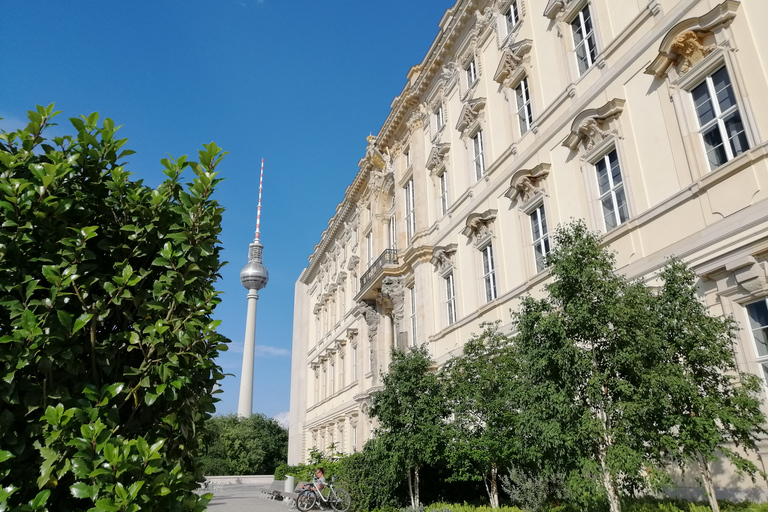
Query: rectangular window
[511, 16]
[720, 126]
[354, 364]
[611, 189]
[333, 378]
[444, 193]
[450, 293]
[524, 111]
[341, 373]
[540, 237]
[369, 248]
[410, 219]
[471, 73]
[325, 382]
[317, 387]
[758, 323]
[412, 294]
[354, 438]
[407, 154]
[479, 157]
[489, 273]
[584, 39]
[439, 118]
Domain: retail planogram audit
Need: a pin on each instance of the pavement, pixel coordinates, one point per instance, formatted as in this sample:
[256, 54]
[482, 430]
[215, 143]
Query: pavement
[245, 497]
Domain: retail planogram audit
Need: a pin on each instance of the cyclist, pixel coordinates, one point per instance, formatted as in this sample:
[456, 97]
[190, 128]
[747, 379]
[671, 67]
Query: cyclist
[317, 485]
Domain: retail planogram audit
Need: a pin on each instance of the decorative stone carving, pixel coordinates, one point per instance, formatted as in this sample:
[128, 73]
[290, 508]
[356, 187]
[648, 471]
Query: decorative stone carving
[340, 277]
[438, 155]
[418, 117]
[555, 8]
[750, 274]
[588, 128]
[392, 297]
[510, 69]
[441, 258]
[683, 43]
[525, 183]
[478, 227]
[352, 336]
[470, 113]
[449, 73]
[371, 318]
[691, 50]
[353, 261]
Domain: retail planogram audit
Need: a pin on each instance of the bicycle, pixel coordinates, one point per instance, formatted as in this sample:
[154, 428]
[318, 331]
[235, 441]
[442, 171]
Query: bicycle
[338, 499]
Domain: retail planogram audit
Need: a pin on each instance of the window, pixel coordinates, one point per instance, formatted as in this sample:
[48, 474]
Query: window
[758, 322]
[407, 155]
[479, 158]
[720, 126]
[369, 248]
[471, 70]
[317, 387]
[412, 294]
[333, 378]
[439, 118]
[450, 294]
[354, 363]
[410, 219]
[489, 273]
[584, 39]
[611, 189]
[511, 16]
[341, 372]
[325, 381]
[354, 438]
[524, 112]
[540, 237]
[444, 193]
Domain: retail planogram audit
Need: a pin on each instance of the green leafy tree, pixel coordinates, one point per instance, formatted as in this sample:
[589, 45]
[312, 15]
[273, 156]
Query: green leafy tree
[707, 408]
[255, 445]
[410, 409]
[107, 342]
[582, 352]
[482, 388]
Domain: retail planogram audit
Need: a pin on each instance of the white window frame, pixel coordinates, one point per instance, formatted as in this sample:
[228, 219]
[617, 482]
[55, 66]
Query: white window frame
[407, 155]
[332, 377]
[444, 204]
[761, 360]
[717, 123]
[354, 363]
[588, 38]
[511, 16]
[489, 273]
[478, 154]
[524, 108]
[414, 320]
[439, 118]
[471, 71]
[614, 190]
[410, 216]
[369, 248]
[450, 294]
[541, 243]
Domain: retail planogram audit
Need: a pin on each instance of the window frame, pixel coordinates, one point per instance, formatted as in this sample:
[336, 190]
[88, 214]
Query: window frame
[543, 240]
[470, 71]
[410, 214]
[450, 294]
[444, 189]
[414, 320]
[489, 273]
[439, 115]
[589, 38]
[604, 158]
[522, 91]
[760, 360]
[510, 22]
[478, 154]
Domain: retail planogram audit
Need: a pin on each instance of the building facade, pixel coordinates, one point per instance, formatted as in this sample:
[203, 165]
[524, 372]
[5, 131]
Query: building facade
[646, 118]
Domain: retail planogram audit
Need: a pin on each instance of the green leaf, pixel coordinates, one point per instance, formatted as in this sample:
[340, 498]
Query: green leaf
[83, 490]
[40, 500]
[81, 322]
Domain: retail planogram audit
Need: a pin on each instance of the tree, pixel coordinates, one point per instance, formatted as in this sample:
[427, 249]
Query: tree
[255, 445]
[705, 404]
[582, 356]
[482, 394]
[410, 409]
[107, 342]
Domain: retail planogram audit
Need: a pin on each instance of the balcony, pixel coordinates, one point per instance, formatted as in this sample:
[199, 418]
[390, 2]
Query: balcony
[386, 264]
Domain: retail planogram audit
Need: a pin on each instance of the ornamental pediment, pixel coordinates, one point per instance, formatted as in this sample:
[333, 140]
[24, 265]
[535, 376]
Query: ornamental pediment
[525, 184]
[478, 227]
[442, 258]
[437, 155]
[470, 113]
[510, 69]
[590, 127]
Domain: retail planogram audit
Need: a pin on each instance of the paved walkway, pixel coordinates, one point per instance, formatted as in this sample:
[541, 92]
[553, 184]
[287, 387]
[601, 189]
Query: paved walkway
[245, 497]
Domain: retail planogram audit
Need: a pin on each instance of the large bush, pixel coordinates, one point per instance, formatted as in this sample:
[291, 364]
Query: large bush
[107, 343]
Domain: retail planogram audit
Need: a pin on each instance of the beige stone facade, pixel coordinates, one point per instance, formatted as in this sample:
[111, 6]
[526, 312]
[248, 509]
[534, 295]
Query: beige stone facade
[646, 118]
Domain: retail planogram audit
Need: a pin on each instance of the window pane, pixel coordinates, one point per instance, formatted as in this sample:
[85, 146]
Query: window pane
[621, 200]
[723, 89]
[535, 225]
[581, 57]
[736, 134]
[613, 158]
[608, 212]
[758, 320]
[702, 102]
[713, 143]
[603, 183]
[578, 36]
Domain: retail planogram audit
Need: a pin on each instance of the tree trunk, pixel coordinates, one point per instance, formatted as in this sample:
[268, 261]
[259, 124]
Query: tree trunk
[416, 480]
[709, 485]
[614, 502]
[410, 488]
[494, 491]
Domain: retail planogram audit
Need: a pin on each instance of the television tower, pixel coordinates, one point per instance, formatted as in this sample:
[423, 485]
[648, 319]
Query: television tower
[254, 277]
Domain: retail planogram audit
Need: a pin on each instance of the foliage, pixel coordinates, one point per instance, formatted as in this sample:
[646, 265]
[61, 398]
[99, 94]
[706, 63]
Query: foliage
[410, 409]
[582, 351]
[533, 491]
[242, 446]
[482, 391]
[455, 507]
[705, 404]
[373, 477]
[107, 342]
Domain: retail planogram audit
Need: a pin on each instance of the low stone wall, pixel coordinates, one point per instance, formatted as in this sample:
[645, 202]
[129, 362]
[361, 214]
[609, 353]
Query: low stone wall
[255, 480]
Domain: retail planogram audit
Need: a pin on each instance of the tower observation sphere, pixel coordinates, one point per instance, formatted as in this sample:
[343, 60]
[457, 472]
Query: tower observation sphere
[254, 275]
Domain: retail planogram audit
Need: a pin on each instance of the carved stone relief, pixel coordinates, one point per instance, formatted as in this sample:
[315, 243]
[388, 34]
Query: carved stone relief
[441, 258]
[470, 114]
[478, 227]
[688, 45]
[592, 126]
[526, 184]
[438, 155]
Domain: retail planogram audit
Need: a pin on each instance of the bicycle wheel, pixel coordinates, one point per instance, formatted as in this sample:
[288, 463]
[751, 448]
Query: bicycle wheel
[305, 500]
[341, 501]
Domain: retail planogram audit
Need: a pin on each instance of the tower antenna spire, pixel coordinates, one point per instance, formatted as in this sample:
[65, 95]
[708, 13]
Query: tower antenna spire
[258, 208]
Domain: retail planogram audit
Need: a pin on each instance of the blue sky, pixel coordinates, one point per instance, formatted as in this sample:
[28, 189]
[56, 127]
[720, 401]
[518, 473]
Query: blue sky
[299, 83]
